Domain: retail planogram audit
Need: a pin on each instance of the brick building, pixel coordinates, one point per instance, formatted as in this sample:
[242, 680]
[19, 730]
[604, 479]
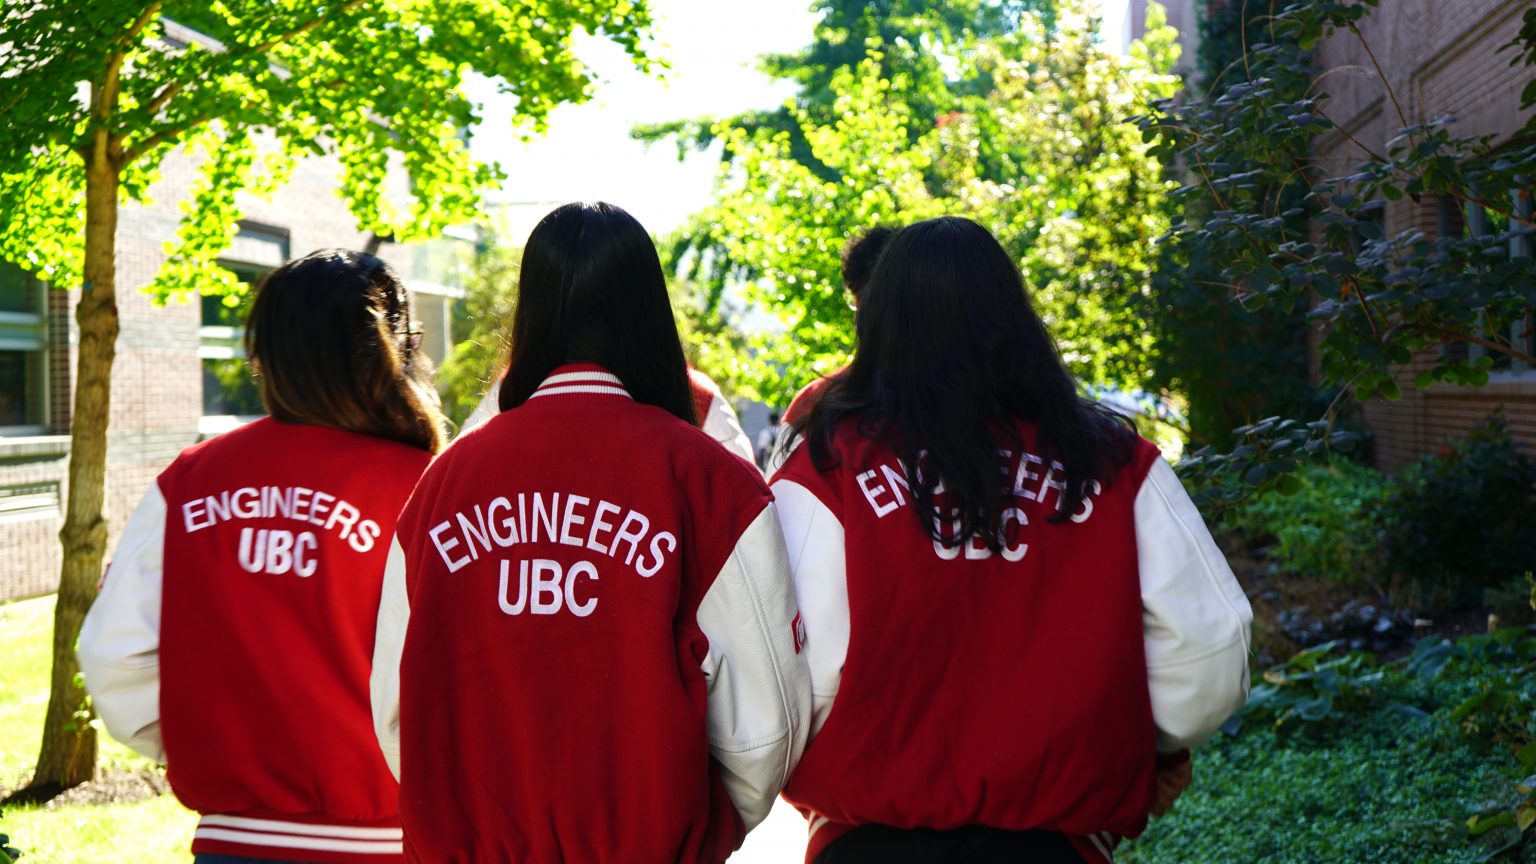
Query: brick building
[179, 375]
[1438, 58]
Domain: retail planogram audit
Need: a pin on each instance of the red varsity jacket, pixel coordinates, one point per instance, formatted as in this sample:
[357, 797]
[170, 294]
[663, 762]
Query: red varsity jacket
[1026, 688]
[586, 649]
[234, 633]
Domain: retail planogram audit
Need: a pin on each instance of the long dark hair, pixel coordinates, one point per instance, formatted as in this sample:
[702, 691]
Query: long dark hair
[329, 337]
[950, 355]
[591, 290]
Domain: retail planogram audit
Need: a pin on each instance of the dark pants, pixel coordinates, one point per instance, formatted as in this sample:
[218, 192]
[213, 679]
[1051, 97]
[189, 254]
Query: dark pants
[880, 844]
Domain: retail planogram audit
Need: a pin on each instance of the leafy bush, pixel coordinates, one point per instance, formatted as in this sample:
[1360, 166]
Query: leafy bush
[1327, 529]
[1396, 783]
[1312, 687]
[1498, 715]
[1459, 522]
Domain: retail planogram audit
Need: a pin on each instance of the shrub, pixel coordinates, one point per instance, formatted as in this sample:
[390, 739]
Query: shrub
[1327, 529]
[1313, 687]
[1406, 761]
[1458, 522]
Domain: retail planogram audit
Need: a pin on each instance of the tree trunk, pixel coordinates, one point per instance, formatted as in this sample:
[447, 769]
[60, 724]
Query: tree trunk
[68, 756]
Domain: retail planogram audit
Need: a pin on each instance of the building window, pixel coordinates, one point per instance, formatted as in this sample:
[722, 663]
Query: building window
[229, 395]
[23, 361]
[1519, 330]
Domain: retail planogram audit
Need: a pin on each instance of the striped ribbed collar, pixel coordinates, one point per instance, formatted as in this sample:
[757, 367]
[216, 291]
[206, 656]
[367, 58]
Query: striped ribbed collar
[586, 378]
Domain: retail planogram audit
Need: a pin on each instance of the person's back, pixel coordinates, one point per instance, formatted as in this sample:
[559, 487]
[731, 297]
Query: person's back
[586, 645]
[1013, 609]
[1022, 688]
[716, 416]
[234, 634]
[596, 620]
[275, 536]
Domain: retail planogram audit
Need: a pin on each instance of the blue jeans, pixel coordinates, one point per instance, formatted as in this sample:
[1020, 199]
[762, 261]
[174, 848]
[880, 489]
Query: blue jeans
[233, 859]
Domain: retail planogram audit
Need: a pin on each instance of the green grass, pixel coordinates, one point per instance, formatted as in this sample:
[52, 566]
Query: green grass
[157, 830]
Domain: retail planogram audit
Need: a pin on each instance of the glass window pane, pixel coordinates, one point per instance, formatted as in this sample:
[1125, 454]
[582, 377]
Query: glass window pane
[21, 389]
[228, 388]
[429, 309]
[18, 290]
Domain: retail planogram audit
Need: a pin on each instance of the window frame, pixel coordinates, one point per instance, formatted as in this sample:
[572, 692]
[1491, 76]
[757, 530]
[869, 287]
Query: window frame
[1522, 244]
[227, 342]
[27, 332]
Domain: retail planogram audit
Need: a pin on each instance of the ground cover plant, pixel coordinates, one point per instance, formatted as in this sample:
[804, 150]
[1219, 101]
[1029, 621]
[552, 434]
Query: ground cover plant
[1339, 757]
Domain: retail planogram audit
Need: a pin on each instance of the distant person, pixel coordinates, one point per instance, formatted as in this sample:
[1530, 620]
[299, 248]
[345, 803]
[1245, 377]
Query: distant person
[1017, 622]
[588, 646]
[859, 256]
[768, 438]
[716, 416]
[712, 413]
[235, 629]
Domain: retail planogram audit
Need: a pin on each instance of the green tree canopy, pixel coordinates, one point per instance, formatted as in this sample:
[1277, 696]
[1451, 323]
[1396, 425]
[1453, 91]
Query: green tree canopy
[98, 94]
[1047, 159]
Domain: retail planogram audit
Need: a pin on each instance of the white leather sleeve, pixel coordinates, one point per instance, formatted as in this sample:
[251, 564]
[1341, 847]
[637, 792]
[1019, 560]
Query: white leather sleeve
[721, 424]
[489, 407]
[1195, 615]
[388, 646]
[814, 539]
[119, 647]
[759, 695]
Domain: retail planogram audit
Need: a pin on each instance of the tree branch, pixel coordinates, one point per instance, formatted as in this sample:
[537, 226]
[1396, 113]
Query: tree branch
[1346, 133]
[302, 28]
[104, 96]
[169, 91]
[107, 97]
[174, 131]
[1391, 94]
[168, 133]
[161, 99]
[1446, 334]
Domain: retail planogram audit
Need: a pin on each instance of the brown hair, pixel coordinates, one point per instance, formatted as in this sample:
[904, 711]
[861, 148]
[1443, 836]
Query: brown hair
[328, 339]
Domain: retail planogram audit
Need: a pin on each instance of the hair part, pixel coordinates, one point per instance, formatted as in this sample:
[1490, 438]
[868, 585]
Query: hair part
[327, 337]
[950, 357]
[591, 290]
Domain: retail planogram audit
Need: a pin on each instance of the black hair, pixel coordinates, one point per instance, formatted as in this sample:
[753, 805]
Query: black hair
[950, 354]
[773, 417]
[591, 290]
[859, 256]
[330, 343]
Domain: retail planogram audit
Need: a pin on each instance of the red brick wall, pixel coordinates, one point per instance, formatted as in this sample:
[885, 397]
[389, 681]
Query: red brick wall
[1439, 58]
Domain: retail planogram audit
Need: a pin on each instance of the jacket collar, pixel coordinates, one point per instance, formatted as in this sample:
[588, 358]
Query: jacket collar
[585, 378]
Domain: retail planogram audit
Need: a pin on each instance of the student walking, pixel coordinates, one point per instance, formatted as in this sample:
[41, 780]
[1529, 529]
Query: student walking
[587, 649]
[234, 631]
[859, 256]
[1015, 614]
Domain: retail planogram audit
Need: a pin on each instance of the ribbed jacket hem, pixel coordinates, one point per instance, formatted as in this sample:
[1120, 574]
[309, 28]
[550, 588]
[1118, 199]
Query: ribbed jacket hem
[291, 838]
